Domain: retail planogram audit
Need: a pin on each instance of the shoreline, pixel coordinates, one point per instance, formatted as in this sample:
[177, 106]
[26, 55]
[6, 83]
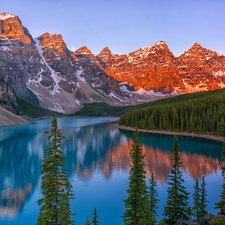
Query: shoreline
[205, 136]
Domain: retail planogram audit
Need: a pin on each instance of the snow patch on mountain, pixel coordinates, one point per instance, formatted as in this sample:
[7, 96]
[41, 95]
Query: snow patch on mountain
[123, 88]
[36, 81]
[219, 73]
[151, 93]
[4, 48]
[222, 85]
[78, 73]
[114, 96]
[4, 16]
[77, 102]
[197, 88]
[54, 75]
[56, 107]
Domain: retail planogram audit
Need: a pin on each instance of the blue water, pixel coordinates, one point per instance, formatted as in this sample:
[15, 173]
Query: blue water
[97, 160]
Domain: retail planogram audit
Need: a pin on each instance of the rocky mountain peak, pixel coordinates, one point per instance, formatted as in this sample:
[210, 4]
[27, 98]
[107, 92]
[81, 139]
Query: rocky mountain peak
[196, 45]
[86, 56]
[4, 16]
[11, 28]
[155, 50]
[197, 48]
[105, 57]
[160, 45]
[105, 51]
[83, 50]
[197, 52]
[54, 41]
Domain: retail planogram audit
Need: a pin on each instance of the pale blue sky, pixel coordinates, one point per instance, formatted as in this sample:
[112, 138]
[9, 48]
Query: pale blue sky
[125, 25]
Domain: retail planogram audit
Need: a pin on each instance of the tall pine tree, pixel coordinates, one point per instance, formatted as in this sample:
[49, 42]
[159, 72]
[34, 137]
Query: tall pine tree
[153, 194]
[94, 219]
[177, 201]
[221, 204]
[196, 201]
[137, 205]
[55, 204]
[203, 201]
[87, 222]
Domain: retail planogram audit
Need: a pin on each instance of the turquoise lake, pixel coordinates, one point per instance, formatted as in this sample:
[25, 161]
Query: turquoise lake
[97, 160]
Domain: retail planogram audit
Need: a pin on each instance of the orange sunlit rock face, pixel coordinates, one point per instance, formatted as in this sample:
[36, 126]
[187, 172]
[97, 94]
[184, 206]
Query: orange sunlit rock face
[74, 57]
[84, 53]
[54, 46]
[53, 41]
[156, 68]
[12, 28]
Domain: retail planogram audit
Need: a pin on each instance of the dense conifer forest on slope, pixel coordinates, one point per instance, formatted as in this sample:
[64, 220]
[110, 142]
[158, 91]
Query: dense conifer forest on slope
[104, 109]
[29, 106]
[198, 113]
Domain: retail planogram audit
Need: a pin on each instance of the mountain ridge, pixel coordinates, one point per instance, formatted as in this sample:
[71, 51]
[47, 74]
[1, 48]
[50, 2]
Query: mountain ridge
[63, 80]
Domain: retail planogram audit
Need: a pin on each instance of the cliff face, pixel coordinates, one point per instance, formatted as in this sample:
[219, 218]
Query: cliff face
[156, 68]
[46, 66]
[6, 92]
[64, 80]
[202, 69]
[18, 47]
[11, 28]
[13, 76]
[7, 97]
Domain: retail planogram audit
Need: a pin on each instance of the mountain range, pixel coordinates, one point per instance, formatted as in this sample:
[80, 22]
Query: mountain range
[63, 80]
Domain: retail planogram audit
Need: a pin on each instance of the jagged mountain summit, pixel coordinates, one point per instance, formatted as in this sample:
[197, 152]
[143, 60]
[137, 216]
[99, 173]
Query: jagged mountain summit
[63, 80]
[60, 80]
[155, 68]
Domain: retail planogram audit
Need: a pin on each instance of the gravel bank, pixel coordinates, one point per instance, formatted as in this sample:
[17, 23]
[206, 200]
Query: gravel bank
[173, 133]
[9, 119]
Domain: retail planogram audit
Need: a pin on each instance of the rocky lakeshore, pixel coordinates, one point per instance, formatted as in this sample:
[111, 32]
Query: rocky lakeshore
[206, 136]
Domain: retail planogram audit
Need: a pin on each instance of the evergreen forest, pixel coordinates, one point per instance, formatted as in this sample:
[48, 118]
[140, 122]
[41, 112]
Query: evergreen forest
[141, 204]
[192, 113]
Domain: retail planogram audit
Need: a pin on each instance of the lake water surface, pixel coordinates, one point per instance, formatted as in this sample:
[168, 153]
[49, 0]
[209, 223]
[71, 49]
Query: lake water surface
[97, 160]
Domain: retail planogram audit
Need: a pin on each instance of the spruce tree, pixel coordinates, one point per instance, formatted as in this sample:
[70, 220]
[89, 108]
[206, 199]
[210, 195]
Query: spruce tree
[88, 222]
[177, 200]
[196, 201]
[153, 194]
[221, 204]
[203, 201]
[137, 205]
[55, 204]
[94, 219]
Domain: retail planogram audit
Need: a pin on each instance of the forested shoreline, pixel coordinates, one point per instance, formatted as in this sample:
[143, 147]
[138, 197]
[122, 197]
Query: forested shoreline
[196, 115]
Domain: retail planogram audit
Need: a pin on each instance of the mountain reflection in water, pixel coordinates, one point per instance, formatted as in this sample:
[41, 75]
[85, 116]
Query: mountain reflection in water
[158, 162]
[90, 146]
